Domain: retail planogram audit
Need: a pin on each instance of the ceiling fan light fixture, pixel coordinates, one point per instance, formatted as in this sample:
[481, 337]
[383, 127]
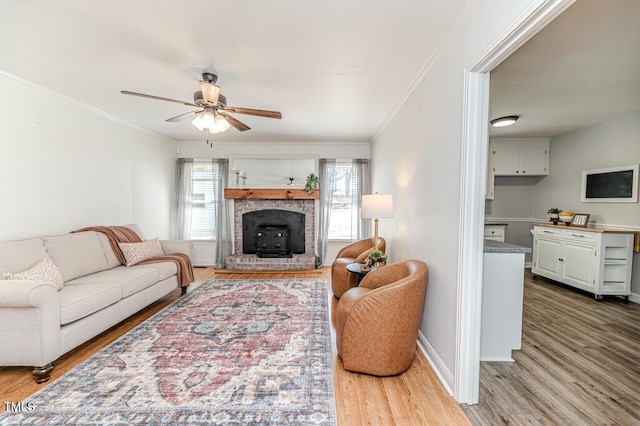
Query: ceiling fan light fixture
[221, 124]
[505, 121]
[199, 122]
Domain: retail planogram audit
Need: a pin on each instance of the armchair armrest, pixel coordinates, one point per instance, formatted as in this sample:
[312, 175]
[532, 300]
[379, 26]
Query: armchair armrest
[354, 250]
[176, 246]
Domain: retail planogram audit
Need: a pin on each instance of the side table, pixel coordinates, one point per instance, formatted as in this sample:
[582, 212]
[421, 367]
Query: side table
[355, 268]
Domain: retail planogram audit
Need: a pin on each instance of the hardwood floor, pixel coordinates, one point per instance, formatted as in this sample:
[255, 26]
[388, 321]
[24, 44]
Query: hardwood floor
[579, 363]
[415, 397]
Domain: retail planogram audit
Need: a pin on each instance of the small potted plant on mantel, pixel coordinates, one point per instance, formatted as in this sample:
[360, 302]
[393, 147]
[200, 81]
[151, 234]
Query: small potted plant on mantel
[554, 214]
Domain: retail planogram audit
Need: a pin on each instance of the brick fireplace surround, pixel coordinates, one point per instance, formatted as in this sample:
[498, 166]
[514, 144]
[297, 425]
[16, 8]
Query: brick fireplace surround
[249, 200]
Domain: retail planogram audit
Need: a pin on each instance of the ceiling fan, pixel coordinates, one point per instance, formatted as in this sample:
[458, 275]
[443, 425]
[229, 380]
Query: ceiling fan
[213, 110]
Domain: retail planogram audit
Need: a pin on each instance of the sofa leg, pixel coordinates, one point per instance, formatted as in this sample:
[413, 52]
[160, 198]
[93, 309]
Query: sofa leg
[184, 290]
[42, 374]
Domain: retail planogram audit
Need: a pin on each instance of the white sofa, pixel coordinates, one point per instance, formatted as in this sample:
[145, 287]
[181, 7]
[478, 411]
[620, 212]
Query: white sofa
[41, 323]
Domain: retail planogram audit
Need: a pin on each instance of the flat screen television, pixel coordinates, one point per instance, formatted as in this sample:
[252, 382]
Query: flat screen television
[610, 185]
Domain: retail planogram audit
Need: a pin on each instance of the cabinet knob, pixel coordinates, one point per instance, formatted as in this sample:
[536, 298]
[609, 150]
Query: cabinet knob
[524, 171]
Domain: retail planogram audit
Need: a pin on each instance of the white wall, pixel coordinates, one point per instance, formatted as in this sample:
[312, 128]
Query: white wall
[64, 166]
[610, 144]
[221, 149]
[614, 143]
[418, 158]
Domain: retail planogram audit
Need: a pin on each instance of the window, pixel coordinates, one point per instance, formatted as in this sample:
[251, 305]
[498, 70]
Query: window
[347, 182]
[203, 217]
[200, 186]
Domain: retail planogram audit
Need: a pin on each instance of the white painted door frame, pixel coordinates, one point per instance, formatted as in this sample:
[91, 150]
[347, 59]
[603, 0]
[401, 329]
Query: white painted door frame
[472, 191]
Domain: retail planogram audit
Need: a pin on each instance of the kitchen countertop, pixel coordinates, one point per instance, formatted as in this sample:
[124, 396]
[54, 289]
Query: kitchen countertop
[491, 246]
[587, 229]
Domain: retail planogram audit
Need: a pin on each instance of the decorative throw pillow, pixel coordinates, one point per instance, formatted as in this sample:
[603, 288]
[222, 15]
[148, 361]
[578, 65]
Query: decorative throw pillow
[45, 270]
[137, 252]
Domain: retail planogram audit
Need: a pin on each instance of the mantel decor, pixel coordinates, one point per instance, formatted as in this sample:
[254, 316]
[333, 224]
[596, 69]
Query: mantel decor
[270, 194]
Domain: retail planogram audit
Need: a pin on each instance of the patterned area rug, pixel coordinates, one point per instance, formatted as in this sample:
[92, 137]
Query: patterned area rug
[230, 352]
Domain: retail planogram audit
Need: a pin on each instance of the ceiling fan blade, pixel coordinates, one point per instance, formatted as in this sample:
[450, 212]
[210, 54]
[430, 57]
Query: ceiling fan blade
[258, 112]
[234, 122]
[210, 92]
[183, 116]
[142, 95]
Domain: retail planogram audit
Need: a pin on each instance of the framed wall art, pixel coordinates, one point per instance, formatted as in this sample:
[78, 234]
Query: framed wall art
[610, 185]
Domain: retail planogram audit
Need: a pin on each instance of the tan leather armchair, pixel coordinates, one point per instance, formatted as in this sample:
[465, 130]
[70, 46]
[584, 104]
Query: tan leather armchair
[341, 279]
[377, 323]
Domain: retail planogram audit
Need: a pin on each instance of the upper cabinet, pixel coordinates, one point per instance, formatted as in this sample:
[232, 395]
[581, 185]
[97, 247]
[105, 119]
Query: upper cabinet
[519, 157]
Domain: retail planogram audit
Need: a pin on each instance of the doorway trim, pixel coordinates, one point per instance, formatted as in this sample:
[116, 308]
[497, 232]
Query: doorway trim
[472, 191]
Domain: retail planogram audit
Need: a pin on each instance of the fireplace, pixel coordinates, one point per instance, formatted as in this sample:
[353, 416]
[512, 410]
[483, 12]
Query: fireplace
[269, 223]
[290, 212]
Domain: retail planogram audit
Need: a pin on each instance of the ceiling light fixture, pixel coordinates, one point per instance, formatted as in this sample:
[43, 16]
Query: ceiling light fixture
[508, 120]
[212, 121]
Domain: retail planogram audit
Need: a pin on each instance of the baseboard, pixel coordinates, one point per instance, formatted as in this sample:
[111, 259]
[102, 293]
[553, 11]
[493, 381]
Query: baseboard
[634, 297]
[497, 359]
[441, 370]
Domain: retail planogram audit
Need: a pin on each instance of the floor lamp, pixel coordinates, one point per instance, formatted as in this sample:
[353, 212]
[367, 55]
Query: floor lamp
[376, 206]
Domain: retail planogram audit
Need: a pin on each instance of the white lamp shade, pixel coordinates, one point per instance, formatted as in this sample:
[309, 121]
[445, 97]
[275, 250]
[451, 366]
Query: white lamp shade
[377, 206]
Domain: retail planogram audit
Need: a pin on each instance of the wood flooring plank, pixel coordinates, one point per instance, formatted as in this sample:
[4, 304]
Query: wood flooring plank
[579, 363]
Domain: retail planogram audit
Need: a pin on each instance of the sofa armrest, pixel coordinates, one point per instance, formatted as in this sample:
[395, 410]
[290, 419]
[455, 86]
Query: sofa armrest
[30, 314]
[26, 294]
[177, 246]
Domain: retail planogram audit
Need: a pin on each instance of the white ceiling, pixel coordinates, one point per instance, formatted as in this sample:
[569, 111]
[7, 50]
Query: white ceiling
[580, 70]
[334, 68]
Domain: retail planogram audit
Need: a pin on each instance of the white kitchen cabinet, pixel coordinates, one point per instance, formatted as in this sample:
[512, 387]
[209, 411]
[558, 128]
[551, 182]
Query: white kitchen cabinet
[495, 232]
[519, 157]
[595, 260]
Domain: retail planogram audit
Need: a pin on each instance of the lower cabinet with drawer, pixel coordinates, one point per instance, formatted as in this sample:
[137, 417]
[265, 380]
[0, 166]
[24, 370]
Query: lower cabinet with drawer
[597, 261]
[495, 232]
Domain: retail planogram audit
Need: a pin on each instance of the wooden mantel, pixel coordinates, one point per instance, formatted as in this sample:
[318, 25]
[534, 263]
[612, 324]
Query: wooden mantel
[270, 194]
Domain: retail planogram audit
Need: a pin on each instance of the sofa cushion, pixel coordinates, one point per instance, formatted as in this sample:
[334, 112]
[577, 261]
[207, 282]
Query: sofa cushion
[45, 271]
[137, 252]
[18, 256]
[76, 254]
[135, 228]
[132, 280]
[79, 301]
[163, 269]
[112, 260]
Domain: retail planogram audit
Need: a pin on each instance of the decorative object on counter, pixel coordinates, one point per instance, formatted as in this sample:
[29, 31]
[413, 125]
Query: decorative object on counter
[554, 214]
[566, 217]
[580, 219]
[291, 183]
[312, 183]
[376, 206]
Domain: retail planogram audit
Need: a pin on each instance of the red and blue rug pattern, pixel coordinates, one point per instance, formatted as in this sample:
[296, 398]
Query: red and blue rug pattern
[230, 352]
